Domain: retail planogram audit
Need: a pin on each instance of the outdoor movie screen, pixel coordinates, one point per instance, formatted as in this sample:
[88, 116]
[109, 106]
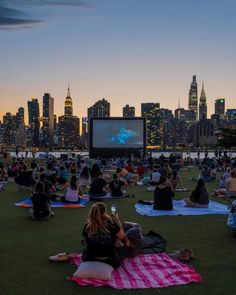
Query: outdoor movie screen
[118, 133]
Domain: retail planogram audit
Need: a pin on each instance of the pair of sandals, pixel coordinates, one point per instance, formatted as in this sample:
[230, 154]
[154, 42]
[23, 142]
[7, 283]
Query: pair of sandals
[183, 254]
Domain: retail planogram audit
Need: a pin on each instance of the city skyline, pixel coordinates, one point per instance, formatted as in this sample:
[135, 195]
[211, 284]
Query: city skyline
[68, 99]
[126, 53]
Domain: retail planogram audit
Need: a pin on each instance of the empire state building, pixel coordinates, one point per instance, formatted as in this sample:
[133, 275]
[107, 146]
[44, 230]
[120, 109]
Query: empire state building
[68, 104]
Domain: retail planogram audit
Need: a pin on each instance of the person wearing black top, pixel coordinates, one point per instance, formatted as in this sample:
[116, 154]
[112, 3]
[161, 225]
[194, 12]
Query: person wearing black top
[163, 195]
[104, 237]
[95, 171]
[99, 187]
[116, 186]
[41, 203]
[199, 197]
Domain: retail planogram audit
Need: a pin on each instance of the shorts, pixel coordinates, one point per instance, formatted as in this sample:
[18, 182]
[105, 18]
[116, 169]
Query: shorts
[129, 176]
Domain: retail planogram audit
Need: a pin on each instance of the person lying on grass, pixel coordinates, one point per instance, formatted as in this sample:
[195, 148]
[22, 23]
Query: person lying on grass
[126, 176]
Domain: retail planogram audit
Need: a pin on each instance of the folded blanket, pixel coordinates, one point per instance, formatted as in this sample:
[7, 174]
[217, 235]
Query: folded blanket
[179, 209]
[145, 271]
[27, 203]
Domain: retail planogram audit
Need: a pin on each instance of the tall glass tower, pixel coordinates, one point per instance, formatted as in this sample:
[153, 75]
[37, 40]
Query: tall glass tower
[202, 105]
[192, 98]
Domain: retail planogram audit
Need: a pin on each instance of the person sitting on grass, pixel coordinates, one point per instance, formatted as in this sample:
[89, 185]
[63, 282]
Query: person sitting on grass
[62, 175]
[230, 187]
[41, 203]
[84, 178]
[72, 192]
[104, 239]
[155, 177]
[163, 195]
[99, 187]
[199, 197]
[116, 186]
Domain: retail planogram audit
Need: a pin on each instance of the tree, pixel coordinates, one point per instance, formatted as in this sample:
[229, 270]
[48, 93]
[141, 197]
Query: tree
[226, 137]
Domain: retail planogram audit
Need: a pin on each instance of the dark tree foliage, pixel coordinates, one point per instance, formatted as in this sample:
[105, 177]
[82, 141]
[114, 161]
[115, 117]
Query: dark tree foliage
[227, 137]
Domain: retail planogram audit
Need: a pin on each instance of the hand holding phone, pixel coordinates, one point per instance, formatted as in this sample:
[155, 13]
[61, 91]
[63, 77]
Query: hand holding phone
[113, 209]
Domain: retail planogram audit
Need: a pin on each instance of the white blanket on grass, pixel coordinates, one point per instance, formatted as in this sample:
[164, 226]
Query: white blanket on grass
[179, 209]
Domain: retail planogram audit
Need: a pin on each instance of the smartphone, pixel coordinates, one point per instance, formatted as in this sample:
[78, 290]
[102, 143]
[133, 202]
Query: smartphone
[113, 209]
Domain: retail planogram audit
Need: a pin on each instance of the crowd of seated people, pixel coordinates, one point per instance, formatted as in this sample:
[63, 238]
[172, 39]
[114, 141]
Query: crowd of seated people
[57, 175]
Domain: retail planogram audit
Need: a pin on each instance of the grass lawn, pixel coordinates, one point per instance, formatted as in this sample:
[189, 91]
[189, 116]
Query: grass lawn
[25, 246]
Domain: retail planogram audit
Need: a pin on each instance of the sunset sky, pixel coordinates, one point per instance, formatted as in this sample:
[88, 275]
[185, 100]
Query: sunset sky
[127, 51]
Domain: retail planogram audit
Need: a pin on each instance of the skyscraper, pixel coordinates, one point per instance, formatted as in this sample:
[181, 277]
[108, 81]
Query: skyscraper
[33, 113]
[202, 105]
[69, 132]
[100, 109]
[69, 126]
[68, 104]
[21, 116]
[193, 97]
[128, 112]
[220, 107]
[151, 112]
[84, 135]
[48, 118]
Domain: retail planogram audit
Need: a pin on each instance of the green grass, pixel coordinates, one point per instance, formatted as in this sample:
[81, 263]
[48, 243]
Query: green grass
[25, 246]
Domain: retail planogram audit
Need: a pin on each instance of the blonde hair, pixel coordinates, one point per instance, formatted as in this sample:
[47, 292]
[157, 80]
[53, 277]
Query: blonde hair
[97, 219]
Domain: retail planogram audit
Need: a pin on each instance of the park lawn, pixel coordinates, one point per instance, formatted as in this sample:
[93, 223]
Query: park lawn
[25, 246]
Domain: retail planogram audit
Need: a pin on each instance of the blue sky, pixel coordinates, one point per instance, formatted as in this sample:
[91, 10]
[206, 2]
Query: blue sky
[128, 51]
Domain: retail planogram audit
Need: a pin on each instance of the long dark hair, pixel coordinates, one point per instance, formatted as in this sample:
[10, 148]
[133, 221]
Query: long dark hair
[197, 191]
[85, 173]
[39, 188]
[95, 170]
[73, 182]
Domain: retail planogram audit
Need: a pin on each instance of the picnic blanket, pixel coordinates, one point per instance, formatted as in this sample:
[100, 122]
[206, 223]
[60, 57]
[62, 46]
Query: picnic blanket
[27, 203]
[106, 197]
[179, 209]
[145, 271]
[177, 190]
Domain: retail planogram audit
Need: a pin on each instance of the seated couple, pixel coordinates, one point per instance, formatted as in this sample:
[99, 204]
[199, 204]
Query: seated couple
[105, 239]
[42, 198]
[163, 195]
[100, 188]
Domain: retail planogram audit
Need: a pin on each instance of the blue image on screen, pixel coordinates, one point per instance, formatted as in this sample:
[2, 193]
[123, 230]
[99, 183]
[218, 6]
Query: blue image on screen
[118, 133]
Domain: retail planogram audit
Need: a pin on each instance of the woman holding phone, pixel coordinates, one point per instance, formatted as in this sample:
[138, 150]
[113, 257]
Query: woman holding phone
[104, 238]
